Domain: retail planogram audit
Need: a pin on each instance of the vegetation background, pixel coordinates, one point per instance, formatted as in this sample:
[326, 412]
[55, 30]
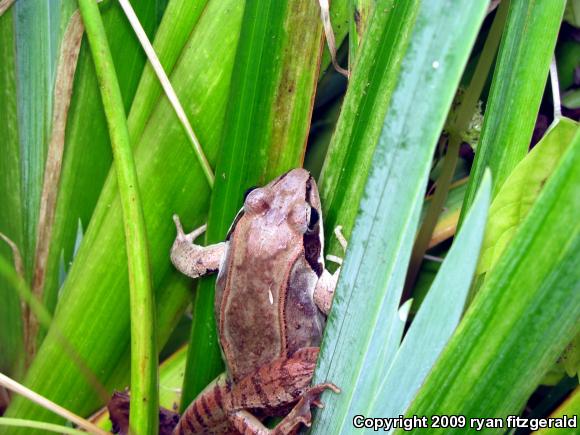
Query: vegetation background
[449, 157]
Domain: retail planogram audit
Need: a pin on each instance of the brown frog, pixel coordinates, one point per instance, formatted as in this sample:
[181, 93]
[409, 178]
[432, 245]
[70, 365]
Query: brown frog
[272, 295]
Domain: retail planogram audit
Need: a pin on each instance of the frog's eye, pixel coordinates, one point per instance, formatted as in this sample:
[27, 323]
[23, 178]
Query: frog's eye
[257, 201]
[248, 191]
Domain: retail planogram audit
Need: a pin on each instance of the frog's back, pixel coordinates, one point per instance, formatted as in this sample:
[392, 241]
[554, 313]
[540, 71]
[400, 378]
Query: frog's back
[264, 298]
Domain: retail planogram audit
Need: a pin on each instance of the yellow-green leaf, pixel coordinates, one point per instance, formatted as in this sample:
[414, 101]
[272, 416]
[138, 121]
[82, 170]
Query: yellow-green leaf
[520, 191]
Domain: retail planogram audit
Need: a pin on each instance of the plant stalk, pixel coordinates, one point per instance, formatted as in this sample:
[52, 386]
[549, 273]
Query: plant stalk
[144, 394]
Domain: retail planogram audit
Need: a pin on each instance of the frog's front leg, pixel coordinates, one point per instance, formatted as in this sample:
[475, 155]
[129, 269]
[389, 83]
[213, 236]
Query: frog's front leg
[191, 259]
[324, 290]
[274, 386]
[326, 284]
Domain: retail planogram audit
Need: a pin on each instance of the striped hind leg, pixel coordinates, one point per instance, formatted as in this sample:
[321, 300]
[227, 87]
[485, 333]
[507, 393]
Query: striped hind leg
[207, 413]
[284, 382]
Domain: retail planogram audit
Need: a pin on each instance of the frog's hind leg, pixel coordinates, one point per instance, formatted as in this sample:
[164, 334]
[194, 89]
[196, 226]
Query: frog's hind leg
[191, 259]
[283, 382]
[207, 413]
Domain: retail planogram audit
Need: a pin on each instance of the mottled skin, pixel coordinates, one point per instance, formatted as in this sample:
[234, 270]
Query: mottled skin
[272, 292]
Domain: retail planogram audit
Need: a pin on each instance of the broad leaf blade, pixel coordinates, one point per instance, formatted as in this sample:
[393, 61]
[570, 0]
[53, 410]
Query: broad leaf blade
[521, 189]
[359, 339]
[438, 316]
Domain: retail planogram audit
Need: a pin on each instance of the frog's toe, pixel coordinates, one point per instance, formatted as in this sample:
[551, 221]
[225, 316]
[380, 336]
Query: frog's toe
[178, 226]
[189, 237]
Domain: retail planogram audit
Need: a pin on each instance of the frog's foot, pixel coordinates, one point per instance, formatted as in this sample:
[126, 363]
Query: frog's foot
[324, 290]
[301, 414]
[191, 259]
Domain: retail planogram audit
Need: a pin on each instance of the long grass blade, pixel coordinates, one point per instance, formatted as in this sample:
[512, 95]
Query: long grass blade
[356, 134]
[457, 126]
[31, 395]
[437, 318]
[11, 219]
[85, 167]
[18, 422]
[168, 89]
[180, 17]
[524, 57]
[67, 65]
[144, 417]
[37, 38]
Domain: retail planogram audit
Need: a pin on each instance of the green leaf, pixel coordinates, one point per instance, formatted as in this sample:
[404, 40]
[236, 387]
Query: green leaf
[85, 168]
[266, 127]
[437, 318]
[144, 415]
[363, 330]
[357, 132]
[37, 35]
[570, 408]
[170, 180]
[11, 220]
[518, 84]
[520, 191]
[523, 317]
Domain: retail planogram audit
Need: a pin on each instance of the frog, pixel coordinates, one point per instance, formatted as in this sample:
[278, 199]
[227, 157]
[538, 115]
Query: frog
[272, 295]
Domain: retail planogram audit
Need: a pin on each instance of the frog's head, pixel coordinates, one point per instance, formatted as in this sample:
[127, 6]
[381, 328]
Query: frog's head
[291, 198]
[288, 208]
